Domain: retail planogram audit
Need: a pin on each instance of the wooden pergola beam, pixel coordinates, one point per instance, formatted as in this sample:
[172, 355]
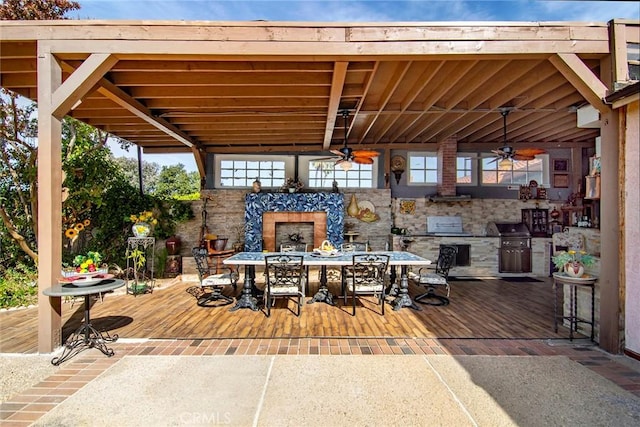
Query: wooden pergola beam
[582, 78]
[80, 82]
[337, 87]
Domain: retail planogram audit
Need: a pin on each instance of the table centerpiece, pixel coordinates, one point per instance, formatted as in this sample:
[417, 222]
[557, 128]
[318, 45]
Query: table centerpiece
[87, 265]
[573, 262]
[142, 223]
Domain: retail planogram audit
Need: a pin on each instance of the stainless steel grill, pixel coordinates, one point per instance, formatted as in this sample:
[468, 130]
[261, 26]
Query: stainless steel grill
[514, 254]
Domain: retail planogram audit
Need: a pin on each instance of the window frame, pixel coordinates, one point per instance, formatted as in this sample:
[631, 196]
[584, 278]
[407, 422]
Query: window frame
[289, 167]
[474, 157]
[410, 154]
[546, 173]
[303, 172]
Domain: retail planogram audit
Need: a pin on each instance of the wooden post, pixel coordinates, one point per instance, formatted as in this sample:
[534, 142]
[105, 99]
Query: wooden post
[611, 252]
[49, 201]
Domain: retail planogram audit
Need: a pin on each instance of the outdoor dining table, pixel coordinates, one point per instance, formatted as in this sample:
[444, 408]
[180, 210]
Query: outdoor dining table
[86, 336]
[396, 258]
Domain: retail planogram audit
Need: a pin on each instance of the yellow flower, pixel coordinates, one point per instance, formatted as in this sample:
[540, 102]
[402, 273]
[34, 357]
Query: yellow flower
[79, 226]
[71, 233]
[87, 222]
[144, 216]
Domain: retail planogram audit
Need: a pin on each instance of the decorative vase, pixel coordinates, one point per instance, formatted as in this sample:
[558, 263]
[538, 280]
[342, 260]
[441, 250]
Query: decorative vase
[141, 229]
[352, 209]
[173, 244]
[292, 190]
[574, 269]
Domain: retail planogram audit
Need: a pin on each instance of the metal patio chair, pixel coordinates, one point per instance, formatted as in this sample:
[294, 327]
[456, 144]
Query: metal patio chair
[285, 277]
[438, 278]
[215, 278]
[366, 276]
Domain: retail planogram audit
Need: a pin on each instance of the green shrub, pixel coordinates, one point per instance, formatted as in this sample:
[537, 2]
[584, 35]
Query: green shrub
[18, 287]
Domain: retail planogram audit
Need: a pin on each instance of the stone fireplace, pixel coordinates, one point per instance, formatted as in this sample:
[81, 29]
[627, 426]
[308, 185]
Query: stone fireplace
[264, 210]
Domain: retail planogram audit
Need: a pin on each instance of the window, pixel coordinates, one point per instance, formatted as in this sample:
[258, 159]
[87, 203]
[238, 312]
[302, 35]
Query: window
[515, 172]
[633, 59]
[322, 173]
[465, 169]
[239, 171]
[423, 168]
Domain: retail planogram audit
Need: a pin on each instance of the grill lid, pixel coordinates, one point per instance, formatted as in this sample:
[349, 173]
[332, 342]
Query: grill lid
[508, 229]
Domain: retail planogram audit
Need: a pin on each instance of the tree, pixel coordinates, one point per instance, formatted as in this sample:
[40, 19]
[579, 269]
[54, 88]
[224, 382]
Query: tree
[18, 197]
[85, 167]
[174, 181]
[29, 10]
[129, 168]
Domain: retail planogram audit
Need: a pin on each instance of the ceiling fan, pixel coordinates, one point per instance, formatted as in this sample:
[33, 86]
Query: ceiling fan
[346, 155]
[507, 152]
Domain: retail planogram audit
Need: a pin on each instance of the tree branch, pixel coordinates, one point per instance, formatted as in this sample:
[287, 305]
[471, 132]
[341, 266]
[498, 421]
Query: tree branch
[19, 238]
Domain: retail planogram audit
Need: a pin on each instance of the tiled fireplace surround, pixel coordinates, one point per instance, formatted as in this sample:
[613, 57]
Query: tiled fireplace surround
[263, 211]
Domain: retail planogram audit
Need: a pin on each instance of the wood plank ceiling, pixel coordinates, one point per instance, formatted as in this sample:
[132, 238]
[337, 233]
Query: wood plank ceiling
[288, 98]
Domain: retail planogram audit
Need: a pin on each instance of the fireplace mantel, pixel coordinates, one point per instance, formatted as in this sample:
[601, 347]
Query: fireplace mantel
[256, 204]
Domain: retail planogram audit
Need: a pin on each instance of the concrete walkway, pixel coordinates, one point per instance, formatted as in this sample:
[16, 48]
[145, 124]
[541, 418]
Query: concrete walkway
[144, 386]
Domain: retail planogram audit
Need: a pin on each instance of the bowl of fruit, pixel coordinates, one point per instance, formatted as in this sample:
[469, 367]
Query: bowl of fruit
[326, 249]
[88, 265]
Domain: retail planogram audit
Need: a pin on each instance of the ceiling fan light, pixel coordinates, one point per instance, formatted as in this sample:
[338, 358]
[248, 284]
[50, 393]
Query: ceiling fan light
[346, 166]
[505, 163]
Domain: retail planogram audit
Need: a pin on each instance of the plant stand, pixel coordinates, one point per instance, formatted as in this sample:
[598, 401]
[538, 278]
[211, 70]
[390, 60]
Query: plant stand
[140, 284]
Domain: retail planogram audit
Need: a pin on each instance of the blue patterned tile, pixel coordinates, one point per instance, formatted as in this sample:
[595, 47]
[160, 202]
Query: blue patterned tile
[257, 204]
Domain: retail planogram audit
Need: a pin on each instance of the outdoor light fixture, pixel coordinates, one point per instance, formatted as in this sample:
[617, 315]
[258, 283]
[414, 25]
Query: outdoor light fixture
[505, 163]
[398, 165]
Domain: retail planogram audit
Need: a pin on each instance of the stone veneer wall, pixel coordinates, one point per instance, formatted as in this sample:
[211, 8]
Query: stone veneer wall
[225, 217]
[475, 213]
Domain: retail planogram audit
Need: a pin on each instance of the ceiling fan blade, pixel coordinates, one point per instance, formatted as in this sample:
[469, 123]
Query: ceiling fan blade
[323, 159]
[363, 160]
[365, 153]
[522, 157]
[337, 152]
[529, 151]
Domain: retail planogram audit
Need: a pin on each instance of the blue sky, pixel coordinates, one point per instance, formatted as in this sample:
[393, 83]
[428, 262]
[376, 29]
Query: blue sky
[348, 11]
[360, 10]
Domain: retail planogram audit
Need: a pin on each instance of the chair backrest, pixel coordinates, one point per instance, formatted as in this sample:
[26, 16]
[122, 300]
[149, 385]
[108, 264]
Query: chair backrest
[354, 247]
[294, 247]
[284, 270]
[201, 257]
[369, 269]
[446, 258]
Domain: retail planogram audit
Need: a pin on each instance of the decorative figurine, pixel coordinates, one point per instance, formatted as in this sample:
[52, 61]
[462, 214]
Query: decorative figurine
[257, 186]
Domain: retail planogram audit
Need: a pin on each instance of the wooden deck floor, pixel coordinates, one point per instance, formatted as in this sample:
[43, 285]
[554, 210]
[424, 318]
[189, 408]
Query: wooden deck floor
[478, 309]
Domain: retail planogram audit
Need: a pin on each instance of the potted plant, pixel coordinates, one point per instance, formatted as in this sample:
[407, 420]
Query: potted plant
[142, 223]
[573, 262]
[292, 185]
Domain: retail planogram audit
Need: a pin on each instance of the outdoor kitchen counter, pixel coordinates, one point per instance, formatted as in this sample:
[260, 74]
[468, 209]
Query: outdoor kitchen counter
[483, 252]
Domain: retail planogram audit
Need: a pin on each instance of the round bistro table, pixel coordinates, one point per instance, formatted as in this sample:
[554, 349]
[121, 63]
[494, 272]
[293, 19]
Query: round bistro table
[86, 336]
